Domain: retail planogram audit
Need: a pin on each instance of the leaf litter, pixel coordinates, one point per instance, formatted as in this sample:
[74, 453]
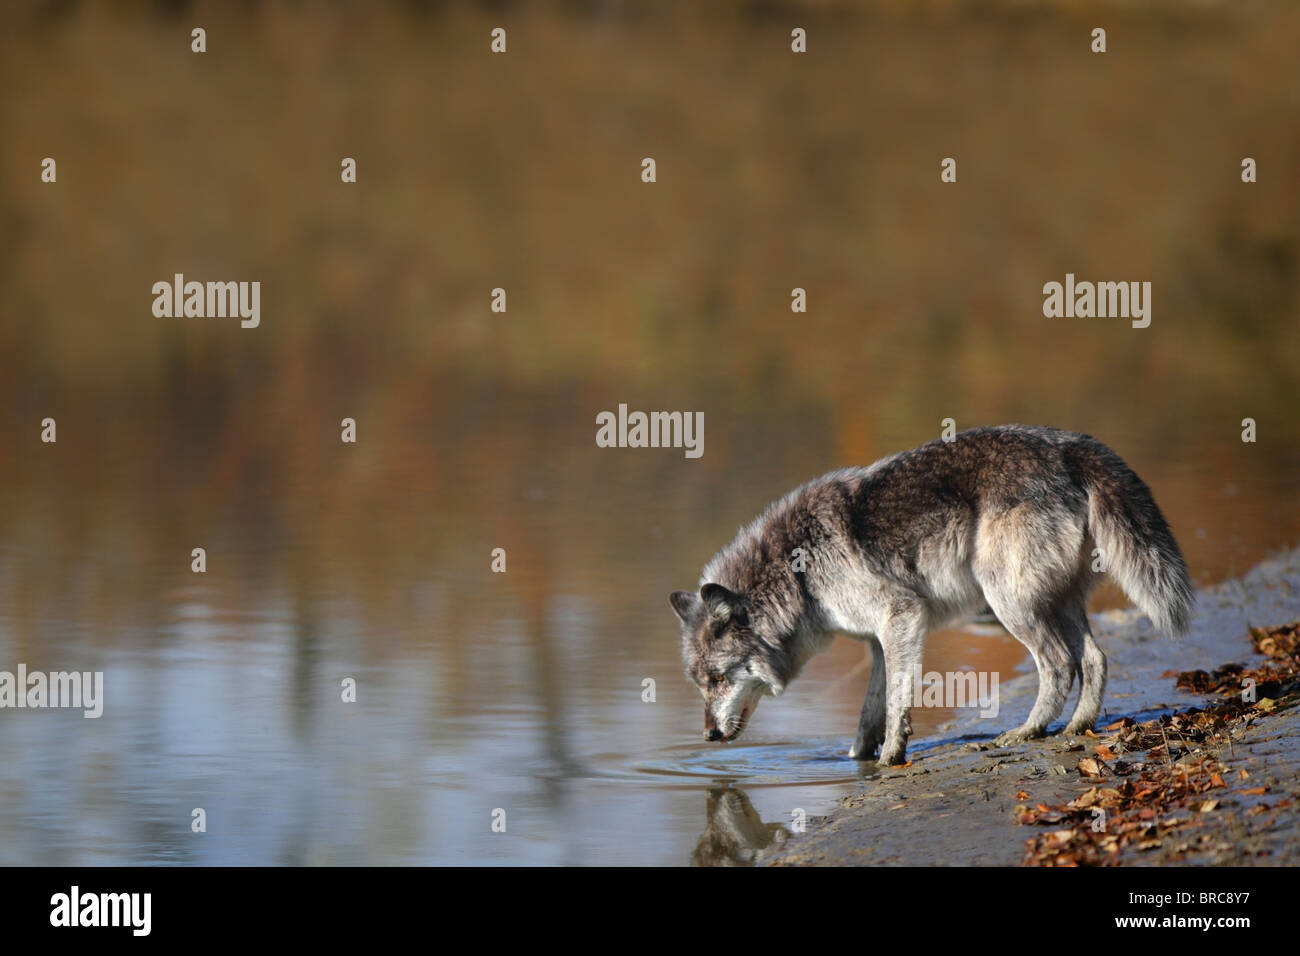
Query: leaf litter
[1157, 781]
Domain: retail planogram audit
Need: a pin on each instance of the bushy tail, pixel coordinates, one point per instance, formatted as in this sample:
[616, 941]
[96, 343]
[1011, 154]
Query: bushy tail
[1137, 547]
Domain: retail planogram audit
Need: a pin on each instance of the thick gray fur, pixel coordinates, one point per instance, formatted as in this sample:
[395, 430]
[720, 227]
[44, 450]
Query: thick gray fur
[1004, 517]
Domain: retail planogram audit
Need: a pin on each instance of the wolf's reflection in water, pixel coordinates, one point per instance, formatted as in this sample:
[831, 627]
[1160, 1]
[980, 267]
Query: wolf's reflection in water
[735, 834]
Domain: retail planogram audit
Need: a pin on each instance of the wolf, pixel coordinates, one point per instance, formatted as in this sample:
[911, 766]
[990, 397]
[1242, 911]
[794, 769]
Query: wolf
[1002, 518]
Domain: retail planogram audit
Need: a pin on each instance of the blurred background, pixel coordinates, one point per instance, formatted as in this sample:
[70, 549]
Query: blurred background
[476, 429]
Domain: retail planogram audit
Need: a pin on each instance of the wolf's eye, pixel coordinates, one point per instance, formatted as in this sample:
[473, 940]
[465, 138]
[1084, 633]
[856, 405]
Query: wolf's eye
[715, 679]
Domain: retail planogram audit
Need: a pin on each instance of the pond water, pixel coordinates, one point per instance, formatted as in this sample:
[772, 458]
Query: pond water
[476, 691]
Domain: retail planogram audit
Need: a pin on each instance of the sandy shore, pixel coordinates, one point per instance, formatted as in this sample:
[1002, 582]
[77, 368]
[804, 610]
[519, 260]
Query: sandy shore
[1229, 798]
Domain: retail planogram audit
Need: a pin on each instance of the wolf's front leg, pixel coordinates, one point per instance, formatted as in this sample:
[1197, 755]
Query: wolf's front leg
[871, 724]
[901, 641]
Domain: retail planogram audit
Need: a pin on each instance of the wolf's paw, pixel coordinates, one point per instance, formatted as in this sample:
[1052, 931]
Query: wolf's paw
[1078, 727]
[865, 749]
[1018, 736]
[890, 758]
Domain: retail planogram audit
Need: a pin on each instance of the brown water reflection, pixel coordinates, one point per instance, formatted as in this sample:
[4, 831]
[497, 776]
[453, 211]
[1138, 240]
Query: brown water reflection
[476, 430]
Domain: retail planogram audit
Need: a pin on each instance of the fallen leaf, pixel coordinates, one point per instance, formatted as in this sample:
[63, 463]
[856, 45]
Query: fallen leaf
[1085, 800]
[1091, 767]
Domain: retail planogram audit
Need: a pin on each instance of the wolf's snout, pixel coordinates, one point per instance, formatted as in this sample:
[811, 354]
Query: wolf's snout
[711, 731]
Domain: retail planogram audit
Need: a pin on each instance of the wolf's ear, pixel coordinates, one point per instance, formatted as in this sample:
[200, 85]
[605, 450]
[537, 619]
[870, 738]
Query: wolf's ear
[722, 604]
[686, 604]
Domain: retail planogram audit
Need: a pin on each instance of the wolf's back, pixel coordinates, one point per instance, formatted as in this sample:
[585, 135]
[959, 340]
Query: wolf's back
[1136, 544]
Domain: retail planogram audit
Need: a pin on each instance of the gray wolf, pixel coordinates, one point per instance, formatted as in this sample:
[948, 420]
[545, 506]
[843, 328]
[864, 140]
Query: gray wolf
[1004, 517]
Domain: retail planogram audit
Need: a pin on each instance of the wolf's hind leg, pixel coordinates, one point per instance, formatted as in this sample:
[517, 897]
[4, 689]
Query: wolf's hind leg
[1092, 674]
[1044, 638]
[1027, 561]
[871, 724]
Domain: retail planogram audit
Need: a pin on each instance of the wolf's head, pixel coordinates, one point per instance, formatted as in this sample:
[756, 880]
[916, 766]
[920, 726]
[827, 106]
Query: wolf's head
[725, 658]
